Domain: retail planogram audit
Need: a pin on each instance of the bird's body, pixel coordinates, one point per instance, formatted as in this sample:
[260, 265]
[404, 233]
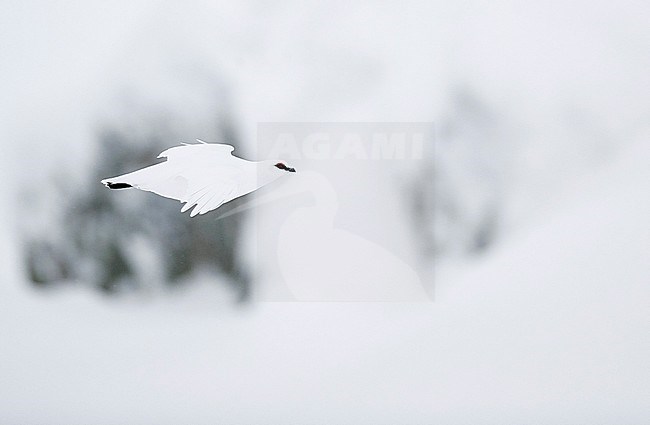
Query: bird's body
[204, 176]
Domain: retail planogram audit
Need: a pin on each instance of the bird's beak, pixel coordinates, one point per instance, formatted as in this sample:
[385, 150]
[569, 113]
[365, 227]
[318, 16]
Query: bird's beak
[291, 170]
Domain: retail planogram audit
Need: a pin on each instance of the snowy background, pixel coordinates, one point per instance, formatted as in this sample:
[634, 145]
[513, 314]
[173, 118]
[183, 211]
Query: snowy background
[529, 225]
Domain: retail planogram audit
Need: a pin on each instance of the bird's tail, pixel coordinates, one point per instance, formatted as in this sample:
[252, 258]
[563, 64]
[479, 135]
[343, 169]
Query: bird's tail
[155, 178]
[111, 185]
[126, 181]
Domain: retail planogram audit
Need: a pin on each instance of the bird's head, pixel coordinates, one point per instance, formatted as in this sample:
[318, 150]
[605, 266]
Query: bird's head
[282, 166]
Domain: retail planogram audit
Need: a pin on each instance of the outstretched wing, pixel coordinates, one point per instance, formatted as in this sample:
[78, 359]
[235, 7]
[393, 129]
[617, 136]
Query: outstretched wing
[207, 188]
[214, 153]
[203, 176]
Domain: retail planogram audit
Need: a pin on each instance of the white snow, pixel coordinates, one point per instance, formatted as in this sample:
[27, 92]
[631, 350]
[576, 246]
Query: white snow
[552, 327]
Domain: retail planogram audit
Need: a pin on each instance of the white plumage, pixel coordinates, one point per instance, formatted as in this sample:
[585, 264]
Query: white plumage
[204, 176]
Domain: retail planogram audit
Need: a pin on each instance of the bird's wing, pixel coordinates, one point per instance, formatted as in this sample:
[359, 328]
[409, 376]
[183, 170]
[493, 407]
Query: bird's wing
[208, 188]
[214, 153]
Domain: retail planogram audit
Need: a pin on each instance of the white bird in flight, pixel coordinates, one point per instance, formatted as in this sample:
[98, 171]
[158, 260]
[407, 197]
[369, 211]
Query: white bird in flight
[204, 176]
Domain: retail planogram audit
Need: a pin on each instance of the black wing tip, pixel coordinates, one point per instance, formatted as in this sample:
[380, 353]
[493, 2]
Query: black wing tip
[117, 185]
